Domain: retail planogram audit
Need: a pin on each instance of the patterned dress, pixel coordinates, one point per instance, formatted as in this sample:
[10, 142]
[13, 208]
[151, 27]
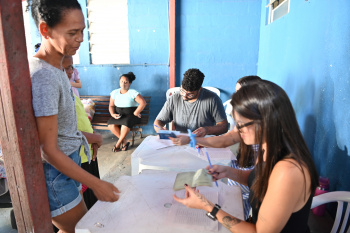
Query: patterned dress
[244, 189]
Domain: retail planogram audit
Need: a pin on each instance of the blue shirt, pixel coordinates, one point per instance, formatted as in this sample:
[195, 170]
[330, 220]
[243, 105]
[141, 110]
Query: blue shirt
[126, 100]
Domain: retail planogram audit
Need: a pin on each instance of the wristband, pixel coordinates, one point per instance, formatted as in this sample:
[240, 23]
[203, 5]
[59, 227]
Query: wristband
[193, 141]
[212, 214]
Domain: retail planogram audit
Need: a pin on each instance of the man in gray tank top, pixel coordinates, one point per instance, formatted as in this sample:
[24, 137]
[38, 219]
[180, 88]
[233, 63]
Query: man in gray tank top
[194, 108]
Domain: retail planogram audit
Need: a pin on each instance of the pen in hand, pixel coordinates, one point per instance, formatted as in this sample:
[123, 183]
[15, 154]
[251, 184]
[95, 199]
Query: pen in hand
[160, 128]
[211, 166]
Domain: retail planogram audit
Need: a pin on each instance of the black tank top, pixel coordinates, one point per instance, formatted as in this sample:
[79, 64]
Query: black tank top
[297, 222]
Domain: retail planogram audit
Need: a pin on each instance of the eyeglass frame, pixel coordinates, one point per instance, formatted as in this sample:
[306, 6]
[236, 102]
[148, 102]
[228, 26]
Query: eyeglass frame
[239, 127]
[71, 67]
[185, 93]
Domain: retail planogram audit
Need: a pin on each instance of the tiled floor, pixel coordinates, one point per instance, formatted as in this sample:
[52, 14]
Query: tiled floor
[113, 165]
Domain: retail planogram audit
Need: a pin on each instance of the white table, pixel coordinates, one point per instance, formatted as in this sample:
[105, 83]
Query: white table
[175, 158]
[144, 207]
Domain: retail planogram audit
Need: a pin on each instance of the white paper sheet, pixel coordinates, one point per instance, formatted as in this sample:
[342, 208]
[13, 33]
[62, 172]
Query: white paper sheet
[219, 153]
[214, 153]
[145, 202]
[160, 143]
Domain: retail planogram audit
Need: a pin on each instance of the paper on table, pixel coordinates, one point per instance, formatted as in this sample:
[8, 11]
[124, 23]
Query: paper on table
[159, 143]
[220, 153]
[126, 214]
[193, 179]
[193, 218]
[214, 153]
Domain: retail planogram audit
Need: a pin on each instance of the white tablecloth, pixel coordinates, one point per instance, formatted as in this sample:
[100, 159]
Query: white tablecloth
[144, 206]
[175, 158]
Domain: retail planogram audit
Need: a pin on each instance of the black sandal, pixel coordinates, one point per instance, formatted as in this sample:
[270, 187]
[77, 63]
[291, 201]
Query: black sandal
[115, 149]
[126, 147]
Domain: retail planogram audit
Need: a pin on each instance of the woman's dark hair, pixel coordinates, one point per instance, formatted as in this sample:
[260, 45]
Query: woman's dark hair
[51, 11]
[248, 79]
[246, 155]
[269, 106]
[193, 80]
[130, 76]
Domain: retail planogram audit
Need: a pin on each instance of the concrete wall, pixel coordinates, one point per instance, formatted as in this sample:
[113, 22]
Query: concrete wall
[307, 53]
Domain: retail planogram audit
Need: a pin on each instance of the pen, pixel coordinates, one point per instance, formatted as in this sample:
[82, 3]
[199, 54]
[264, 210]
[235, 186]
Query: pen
[211, 166]
[156, 126]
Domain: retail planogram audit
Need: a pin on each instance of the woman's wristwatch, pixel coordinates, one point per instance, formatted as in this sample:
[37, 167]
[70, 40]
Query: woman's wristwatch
[212, 214]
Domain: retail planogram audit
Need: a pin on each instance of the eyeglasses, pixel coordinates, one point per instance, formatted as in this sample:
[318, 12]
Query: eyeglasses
[69, 68]
[239, 127]
[189, 95]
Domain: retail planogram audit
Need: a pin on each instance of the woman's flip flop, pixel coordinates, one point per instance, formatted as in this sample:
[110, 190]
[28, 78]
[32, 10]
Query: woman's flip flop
[126, 147]
[115, 149]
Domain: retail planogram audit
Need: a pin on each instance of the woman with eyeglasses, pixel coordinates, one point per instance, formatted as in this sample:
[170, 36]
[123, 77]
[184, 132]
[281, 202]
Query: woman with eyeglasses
[125, 107]
[246, 153]
[283, 181]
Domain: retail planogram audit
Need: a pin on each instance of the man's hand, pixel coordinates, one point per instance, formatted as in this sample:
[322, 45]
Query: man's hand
[180, 140]
[158, 125]
[200, 132]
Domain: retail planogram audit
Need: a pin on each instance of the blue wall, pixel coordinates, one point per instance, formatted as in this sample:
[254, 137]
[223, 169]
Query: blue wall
[221, 38]
[149, 56]
[307, 53]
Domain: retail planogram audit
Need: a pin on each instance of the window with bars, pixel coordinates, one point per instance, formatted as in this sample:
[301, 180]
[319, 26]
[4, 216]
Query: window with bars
[277, 9]
[108, 31]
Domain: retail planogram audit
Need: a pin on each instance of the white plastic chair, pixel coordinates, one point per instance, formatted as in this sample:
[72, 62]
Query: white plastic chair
[213, 89]
[340, 197]
[228, 111]
[171, 91]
